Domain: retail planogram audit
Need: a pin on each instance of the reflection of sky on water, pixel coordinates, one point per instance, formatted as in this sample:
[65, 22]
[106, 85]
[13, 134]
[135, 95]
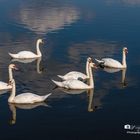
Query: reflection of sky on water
[124, 2]
[95, 49]
[46, 18]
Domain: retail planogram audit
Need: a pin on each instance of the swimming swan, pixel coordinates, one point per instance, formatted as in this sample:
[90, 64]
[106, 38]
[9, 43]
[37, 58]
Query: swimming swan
[76, 84]
[28, 54]
[5, 86]
[76, 75]
[24, 98]
[109, 62]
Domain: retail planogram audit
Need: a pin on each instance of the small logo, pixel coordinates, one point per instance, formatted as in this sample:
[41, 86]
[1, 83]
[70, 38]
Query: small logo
[127, 126]
[132, 129]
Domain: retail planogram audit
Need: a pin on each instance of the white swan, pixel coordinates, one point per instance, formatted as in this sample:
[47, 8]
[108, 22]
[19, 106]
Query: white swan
[109, 62]
[77, 75]
[24, 98]
[5, 86]
[76, 84]
[28, 54]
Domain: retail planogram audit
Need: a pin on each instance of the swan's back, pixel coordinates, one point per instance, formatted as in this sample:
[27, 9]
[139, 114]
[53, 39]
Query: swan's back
[109, 62]
[28, 98]
[74, 75]
[26, 54]
[4, 86]
[75, 84]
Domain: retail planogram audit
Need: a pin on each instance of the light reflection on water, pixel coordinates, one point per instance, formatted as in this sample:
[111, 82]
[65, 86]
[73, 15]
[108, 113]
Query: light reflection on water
[72, 31]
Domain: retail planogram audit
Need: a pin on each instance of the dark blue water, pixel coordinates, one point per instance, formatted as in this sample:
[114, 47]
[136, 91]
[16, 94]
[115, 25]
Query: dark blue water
[72, 30]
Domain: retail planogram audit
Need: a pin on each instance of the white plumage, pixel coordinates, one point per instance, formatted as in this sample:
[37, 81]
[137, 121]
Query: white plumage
[25, 98]
[112, 63]
[4, 85]
[76, 74]
[28, 98]
[76, 84]
[28, 54]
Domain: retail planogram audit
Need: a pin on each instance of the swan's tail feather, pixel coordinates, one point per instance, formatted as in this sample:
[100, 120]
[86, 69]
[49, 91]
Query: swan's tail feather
[46, 96]
[59, 84]
[62, 77]
[13, 55]
[99, 61]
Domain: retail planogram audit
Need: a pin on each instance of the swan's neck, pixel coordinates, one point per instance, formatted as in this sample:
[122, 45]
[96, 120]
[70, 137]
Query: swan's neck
[91, 82]
[10, 74]
[87, 69]
[38, 49]
[13, 93]
[124, 59]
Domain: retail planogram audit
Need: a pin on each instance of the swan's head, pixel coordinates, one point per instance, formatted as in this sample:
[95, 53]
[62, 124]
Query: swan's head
[39, 41]
[13, 66]
[93, 65]
[125, 50]
[89, 59]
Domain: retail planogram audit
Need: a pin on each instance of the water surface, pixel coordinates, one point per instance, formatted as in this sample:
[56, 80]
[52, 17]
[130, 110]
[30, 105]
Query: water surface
[72, 30]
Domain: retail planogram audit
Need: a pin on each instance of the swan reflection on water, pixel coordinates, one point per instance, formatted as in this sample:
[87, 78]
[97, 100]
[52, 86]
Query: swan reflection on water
[113, 70]
[89, 92]
[13, 107]
[25, 61]
[3, 91]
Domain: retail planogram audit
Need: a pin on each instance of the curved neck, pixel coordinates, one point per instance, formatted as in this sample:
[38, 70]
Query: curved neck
[87, 71]
[38, 50]
[91, 81]
[13, 93]
[124, 59]
[10, 74]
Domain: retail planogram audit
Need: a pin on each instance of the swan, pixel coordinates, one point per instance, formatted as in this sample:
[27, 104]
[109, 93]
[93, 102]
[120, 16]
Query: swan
[28, 54]
[109, 62]
[77, 75]
[5, 86]
[76, 84]
[24, 98]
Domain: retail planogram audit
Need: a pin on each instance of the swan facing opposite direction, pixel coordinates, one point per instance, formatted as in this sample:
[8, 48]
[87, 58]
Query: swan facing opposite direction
[109, 62]
[76, 84]
[77, 75]
[28, 54]
[5, 86]
[24, 98]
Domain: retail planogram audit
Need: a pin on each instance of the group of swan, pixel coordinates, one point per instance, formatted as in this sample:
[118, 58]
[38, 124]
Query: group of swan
[24, 98]
[73, 80]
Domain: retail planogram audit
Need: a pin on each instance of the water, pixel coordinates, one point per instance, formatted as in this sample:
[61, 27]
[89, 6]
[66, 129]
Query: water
[72, 30]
